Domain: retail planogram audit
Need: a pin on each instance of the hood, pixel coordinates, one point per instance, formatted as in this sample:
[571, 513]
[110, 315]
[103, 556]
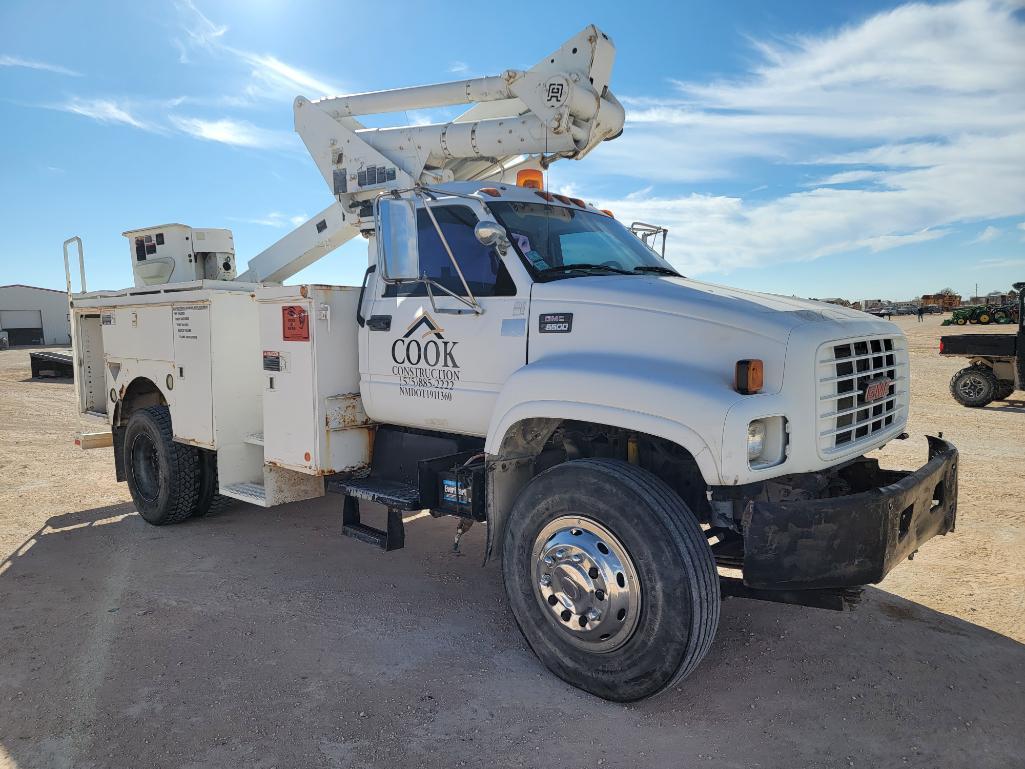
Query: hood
[771, 314]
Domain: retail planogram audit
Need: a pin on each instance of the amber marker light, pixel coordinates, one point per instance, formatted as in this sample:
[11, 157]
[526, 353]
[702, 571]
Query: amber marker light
[749, 376]
[530, 178]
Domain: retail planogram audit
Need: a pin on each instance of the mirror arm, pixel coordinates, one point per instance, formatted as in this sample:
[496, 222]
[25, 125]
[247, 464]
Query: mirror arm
[475, 308]
[451, 256]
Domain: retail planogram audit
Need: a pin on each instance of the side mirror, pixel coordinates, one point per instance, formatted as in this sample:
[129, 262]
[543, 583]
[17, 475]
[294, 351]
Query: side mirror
[489, 233]
[397, 250]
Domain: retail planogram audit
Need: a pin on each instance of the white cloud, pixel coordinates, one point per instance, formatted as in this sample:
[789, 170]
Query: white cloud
[988, 234]
[269, 77]
[915, 118]
[1001, 263]
[275, 219]
[239, 133]
[199, 29]
[274, 79]
[459, 67]
[105, 111]
[7, 60]
[846, 177]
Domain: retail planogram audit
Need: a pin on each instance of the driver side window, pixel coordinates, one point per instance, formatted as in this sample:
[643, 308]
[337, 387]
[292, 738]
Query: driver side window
[485, 273]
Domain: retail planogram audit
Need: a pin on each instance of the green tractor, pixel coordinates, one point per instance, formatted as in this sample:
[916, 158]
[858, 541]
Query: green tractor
[982, 315]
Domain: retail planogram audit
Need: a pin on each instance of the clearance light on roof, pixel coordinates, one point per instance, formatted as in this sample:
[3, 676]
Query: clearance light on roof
[608, 213]
[530, 178]
[491, 192]
[544, 195]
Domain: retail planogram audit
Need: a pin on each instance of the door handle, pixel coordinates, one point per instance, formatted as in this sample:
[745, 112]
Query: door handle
[379, 322]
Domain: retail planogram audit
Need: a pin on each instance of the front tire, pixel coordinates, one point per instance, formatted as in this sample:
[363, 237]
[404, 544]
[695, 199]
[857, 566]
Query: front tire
[974, 387]
[610, 578]
[163, 476]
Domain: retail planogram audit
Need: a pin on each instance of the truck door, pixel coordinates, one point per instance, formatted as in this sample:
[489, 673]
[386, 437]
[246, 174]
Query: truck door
[439, 370]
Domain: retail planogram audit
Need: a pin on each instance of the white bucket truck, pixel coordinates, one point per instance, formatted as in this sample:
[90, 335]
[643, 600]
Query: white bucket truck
[639, 444]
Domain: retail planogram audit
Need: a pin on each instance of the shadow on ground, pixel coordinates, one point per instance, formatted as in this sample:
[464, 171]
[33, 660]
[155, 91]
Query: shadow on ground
[262, 638]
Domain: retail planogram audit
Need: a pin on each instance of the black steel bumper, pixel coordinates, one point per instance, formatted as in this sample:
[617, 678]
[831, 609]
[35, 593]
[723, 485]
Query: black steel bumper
[856, 539]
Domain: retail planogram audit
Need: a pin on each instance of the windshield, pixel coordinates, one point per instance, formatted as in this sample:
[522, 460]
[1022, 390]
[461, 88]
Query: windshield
[558, 241]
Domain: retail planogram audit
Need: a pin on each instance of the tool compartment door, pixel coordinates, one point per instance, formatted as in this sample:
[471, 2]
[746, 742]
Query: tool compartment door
[192, 395]
[289, 407]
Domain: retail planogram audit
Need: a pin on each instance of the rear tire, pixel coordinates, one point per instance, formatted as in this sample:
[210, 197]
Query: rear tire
[607, 542]
[1005, 388]
[163, 476]
[210, 502]
[974, 386]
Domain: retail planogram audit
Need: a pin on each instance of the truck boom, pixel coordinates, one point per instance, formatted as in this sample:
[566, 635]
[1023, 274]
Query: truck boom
[560, 107]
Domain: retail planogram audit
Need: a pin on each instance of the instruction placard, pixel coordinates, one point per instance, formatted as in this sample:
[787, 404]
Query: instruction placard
[295, 323]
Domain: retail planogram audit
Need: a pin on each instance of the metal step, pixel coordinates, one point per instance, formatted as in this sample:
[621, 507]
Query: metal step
[253, 493]
[394, 495]
[391, 538]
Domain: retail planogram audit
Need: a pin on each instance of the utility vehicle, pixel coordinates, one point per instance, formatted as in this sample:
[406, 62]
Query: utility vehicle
[997, 365]
[639, 444]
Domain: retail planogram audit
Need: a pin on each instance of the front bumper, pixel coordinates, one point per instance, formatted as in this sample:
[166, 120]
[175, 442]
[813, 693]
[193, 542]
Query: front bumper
[851, 540]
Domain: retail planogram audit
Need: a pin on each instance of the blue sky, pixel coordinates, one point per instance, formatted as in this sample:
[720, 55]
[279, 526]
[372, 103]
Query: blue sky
[821, 149]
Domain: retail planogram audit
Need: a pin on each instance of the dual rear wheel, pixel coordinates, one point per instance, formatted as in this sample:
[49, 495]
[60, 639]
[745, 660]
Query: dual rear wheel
[169, 481]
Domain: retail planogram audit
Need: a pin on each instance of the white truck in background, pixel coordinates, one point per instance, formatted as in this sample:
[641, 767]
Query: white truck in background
[639, 444]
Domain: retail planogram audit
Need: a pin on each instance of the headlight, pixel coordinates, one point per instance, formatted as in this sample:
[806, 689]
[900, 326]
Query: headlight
[766, 442]
[755, 440]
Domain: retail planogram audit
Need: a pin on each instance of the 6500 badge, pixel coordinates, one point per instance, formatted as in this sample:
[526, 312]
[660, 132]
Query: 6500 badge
[426, 364]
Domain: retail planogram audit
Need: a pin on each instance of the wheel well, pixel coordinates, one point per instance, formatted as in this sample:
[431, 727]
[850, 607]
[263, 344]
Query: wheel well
[534, 445]
[139, 394]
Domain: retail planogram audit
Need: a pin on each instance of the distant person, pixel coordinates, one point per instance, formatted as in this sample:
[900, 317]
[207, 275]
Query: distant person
[921, 313]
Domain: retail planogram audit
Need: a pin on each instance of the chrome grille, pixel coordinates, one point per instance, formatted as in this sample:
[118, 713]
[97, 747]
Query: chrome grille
[846, 421]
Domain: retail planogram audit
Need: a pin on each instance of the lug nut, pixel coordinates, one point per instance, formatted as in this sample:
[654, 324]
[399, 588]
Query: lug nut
[593, 615]
[548, 560]
[546, 580]
[560, 553]
[577, 558]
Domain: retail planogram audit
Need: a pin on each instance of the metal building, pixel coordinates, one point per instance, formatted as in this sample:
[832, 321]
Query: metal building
[34, 316]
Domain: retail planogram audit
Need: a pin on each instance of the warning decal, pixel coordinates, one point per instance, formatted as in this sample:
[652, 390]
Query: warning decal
[295, 323]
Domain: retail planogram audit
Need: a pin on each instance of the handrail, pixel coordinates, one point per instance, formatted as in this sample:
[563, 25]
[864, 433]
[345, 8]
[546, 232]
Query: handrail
[81, 263]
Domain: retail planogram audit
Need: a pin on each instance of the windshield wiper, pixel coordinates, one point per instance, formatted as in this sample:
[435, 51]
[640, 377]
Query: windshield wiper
[657, 269]
[584, 267]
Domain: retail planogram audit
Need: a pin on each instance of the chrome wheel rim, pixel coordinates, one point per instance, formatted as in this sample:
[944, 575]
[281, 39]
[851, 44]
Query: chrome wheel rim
[586, 583]
[972, 386]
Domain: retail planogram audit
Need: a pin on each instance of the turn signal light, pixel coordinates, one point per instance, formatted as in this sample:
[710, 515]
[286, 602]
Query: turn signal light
[530, 178]
[749, 377]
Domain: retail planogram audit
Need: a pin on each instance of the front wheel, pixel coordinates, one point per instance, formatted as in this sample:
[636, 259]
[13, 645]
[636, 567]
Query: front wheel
[974, 386]
[610, 578]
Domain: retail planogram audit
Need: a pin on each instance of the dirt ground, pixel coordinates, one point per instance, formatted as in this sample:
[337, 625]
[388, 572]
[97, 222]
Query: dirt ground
[262, 638]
